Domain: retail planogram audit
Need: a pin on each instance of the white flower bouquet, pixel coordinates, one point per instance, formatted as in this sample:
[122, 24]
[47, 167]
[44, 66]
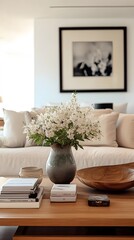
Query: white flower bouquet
[66, 124]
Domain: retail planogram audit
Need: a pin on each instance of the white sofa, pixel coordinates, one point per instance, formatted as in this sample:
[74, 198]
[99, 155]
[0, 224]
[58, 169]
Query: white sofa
[12, 159]
[115, 147]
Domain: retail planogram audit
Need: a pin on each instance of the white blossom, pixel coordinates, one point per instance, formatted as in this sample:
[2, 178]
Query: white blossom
[65, 124]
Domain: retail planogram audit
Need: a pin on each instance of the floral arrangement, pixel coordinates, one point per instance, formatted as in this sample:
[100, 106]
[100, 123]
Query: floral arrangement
[66, 124]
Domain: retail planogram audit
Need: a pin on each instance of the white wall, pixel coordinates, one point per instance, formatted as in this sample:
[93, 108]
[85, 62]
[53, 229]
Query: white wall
[17, 65]
[47, 62]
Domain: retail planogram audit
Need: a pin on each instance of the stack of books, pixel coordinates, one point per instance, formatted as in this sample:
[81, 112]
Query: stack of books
[21, 193]
[63, 193]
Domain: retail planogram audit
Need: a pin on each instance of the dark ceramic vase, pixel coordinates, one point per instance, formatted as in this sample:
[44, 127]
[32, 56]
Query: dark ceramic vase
[60, 165]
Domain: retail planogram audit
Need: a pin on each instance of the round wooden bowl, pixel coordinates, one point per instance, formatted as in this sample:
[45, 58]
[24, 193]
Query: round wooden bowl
[115, 177]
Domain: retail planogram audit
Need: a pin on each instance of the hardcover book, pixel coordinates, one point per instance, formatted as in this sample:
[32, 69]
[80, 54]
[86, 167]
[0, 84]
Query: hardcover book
[63, 190]
[23, 203]
[19, 184]
[19, 195]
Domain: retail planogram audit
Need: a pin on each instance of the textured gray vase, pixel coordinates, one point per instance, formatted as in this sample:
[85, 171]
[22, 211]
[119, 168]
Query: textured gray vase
[60, 165]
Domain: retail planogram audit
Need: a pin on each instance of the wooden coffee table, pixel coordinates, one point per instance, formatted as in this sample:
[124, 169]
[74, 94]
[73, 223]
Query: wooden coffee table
[74, 220]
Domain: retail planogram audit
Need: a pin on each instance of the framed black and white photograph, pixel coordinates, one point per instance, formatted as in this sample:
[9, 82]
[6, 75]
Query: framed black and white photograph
[93, 59]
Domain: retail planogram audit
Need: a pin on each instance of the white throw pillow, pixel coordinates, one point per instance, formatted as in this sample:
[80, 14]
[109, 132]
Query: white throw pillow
[125, 130]
[13, 128]
[120, 108]
[28, 118]
[108, 131]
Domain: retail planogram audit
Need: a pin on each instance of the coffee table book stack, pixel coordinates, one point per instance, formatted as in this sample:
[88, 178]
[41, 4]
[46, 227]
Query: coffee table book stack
[63, 193]
[21, 193]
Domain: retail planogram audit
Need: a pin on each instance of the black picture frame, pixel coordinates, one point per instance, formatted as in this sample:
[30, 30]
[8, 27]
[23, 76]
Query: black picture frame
[76, 43]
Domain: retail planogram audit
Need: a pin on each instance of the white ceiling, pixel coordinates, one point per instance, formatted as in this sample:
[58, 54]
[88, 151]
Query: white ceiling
[14, 14]
[66, 8]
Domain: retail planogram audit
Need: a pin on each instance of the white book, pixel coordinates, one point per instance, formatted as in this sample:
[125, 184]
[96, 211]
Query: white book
[19, 184]
[21, 191]
[16, 200]
[18, 194]
[63, 199]
[21, 204]
[14, 195]
[19, 197]
[63, 190]
[24, 203]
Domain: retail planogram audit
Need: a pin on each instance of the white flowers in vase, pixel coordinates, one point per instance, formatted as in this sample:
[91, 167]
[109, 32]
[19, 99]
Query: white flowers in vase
[66, 124]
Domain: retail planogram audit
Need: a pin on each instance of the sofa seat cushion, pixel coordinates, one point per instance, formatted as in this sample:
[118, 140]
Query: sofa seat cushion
[12, 159]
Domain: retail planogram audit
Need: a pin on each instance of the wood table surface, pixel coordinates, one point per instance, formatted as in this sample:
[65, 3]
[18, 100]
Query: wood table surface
[119, 213]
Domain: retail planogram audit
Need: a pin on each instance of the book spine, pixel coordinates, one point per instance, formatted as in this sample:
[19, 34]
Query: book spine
[8, 200]
[22, 204]
[63, 199]
[40, 193]
[62, 194]
[21, 191]
[30, 199]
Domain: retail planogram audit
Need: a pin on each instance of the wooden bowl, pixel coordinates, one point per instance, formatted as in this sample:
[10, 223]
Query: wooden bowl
[115, 177]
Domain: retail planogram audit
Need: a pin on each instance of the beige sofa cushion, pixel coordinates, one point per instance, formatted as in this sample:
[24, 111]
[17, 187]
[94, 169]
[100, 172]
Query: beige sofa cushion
[120, 108]
[125, 130]
[13, 129]
[108, 131]
[99, 112]
[28, 118]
